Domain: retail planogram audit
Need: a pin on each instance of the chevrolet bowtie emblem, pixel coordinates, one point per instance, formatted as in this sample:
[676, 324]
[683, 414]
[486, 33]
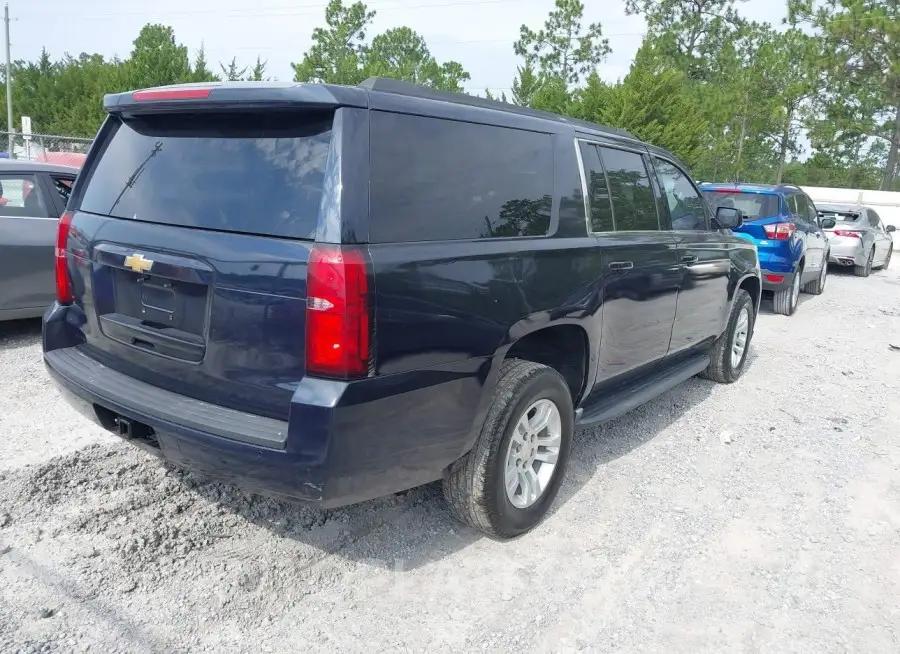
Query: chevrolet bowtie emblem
[138, 263]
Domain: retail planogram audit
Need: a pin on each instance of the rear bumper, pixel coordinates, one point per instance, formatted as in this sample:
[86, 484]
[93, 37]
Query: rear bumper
[846, 252]
[344, 442]
[769, 277]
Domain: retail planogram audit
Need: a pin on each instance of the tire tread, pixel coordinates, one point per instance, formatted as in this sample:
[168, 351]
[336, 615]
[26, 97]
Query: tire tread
[467, 483]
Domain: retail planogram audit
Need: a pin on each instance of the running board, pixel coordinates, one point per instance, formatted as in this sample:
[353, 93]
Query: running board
[622, 401]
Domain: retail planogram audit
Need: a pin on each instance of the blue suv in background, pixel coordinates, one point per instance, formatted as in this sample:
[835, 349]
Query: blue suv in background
[785, 226]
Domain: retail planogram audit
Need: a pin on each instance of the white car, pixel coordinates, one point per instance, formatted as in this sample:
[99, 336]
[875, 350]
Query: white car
[857, 237]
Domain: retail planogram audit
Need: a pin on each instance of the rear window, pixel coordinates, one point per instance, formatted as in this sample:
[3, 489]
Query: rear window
[840, 216]
[752, 205]
[251, 173]
[441, 180]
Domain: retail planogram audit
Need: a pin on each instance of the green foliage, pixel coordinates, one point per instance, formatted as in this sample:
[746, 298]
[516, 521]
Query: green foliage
[861, 54]
[652, 102]
[732, 98]
[341, 55]
[562, 49]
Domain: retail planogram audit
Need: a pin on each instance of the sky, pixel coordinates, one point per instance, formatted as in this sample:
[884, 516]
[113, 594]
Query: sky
[477, 33]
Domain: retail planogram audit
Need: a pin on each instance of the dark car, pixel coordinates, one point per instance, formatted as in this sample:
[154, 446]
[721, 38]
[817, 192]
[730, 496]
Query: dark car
[334, 293]
[32, 197]
[783, 223]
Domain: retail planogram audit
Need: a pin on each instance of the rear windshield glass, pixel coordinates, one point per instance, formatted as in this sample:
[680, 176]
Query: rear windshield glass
[256, 174]
[752, 205]
[844, 216]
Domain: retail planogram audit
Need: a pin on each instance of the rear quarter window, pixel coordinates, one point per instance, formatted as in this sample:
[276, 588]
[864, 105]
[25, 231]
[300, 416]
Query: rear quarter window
[243, 172]
[442, 180]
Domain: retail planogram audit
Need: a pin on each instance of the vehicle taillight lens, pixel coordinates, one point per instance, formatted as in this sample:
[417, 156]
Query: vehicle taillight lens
[847, 232]
[780, 231]
[337, 313]
[775, 279]
[63, 282]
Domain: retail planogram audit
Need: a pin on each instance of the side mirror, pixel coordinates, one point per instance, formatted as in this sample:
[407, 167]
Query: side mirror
[729, 217]
[891, 228]
[828, 223]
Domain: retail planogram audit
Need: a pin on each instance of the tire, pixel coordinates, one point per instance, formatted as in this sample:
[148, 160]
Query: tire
[816, 286]
[887, 261]
[475, 485]
[723, 368]
[866, 270]
[786, 301]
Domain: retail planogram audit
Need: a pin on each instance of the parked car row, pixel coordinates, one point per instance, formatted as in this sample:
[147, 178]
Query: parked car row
[796, 240]
[333, 293]
[32, 198]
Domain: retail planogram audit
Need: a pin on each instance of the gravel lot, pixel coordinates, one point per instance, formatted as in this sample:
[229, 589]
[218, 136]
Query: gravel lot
[762, 516]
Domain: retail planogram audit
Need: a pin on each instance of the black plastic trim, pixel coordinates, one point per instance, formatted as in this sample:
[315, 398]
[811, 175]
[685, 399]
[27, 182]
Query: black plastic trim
[97, 379]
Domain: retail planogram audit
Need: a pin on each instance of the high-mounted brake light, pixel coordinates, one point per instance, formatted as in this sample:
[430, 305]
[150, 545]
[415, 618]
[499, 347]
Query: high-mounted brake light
[727, 190]
[337, 313]
[63, 282]
[780, 231]
[151, 95]
[847, 232]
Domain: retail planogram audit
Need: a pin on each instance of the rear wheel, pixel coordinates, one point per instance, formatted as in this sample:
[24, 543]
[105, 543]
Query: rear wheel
[507, 482]
[729, 353]
[865, 270]
[816, 286]
[786, 300]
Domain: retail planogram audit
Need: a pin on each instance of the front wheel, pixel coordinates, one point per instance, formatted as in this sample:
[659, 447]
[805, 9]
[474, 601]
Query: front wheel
[506, 484]
[729, 353]
[887, 261]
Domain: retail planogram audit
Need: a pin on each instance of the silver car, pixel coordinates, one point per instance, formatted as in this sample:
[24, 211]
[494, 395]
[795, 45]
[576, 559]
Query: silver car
[856, 237]
[32, 198]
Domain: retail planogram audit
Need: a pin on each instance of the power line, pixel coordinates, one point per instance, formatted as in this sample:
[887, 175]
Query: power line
[284, 10]
[430, 42]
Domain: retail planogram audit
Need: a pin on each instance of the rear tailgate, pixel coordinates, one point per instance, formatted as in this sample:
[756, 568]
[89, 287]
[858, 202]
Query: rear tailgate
[189, 246]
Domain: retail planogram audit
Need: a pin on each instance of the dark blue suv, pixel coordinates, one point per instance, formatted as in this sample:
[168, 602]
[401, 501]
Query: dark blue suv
[334, 293]
[785, 226]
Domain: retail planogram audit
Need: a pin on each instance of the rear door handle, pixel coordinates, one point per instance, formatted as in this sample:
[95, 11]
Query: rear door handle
[621, 265]
[690, 258]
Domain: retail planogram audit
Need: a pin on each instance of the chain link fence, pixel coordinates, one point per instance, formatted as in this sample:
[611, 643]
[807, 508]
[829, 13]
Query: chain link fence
[49, 148]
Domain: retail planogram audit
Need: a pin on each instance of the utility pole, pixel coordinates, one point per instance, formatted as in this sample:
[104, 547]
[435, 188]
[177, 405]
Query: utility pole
[9, 112]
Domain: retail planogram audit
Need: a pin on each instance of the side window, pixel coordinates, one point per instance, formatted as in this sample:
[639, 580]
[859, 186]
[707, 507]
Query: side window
[812, 214]
[63, 186]
[441, 180]
[686, 206]
[598, 191]
[801, 207]
[20, 197]
[875, 221]
[634, 204]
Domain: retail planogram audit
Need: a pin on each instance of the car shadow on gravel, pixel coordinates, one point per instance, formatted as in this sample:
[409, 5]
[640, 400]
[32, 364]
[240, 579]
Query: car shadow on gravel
[414, 528]
[19, 333]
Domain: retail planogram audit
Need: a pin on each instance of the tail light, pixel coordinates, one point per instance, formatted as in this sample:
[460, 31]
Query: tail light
[775, 279]
[63, 282]
[847, 232]
[337, 313]
[780, 231]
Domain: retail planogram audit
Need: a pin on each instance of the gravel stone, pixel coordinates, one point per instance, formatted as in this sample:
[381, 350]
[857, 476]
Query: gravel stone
[661, 540]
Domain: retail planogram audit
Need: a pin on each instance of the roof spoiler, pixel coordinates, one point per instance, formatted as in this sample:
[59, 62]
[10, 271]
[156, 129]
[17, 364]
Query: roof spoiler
[233, 95]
